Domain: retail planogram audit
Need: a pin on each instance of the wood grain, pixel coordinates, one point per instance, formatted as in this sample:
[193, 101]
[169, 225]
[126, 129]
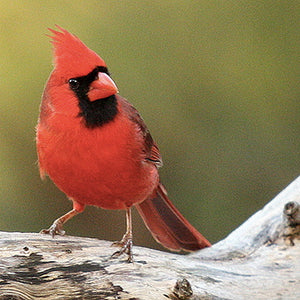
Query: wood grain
[259, 260]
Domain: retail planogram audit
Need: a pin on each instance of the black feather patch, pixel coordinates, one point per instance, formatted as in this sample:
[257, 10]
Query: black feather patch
[95, 113]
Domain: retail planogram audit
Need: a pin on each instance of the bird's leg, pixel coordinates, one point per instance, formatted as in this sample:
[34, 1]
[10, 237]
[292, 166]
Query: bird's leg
[126, 243]
[57, 227]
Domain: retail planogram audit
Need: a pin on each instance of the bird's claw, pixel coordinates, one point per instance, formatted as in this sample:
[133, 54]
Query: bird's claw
[125, 248]
[55, 229]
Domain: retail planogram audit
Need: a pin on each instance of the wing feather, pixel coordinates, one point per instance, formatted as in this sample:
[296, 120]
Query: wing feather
[150, 147]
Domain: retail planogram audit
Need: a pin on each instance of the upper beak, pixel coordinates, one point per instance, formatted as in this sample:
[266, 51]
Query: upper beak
[103, 87]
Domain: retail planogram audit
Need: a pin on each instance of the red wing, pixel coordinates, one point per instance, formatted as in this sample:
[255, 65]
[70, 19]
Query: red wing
[155, 155]
[151, 148]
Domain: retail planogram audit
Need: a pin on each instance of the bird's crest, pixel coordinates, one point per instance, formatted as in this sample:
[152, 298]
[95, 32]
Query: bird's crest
[72, 58]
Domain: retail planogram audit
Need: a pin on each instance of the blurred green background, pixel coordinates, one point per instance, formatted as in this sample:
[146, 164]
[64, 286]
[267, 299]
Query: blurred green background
[217, 83]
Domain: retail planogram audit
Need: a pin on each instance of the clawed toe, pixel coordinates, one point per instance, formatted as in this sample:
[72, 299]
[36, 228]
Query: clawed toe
[54, 229]
[125, 244]
[57, 227]
[125, 248]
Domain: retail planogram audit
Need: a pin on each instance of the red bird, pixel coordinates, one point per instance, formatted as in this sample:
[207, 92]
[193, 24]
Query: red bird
[96, 148]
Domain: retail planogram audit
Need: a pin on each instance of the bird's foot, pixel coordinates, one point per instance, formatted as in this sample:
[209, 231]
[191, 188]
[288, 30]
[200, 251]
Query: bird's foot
[125, 247]
[55, 229]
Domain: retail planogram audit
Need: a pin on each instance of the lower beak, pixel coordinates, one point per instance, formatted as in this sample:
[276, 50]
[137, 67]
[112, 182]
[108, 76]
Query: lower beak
[103, 87]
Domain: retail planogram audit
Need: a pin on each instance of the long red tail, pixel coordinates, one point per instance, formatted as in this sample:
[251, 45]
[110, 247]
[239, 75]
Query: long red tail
[168, 226]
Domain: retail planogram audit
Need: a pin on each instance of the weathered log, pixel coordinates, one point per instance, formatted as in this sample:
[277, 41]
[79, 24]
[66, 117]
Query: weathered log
[260, 259]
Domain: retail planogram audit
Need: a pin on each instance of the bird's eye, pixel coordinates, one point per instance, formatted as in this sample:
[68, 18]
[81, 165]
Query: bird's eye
[74, 83]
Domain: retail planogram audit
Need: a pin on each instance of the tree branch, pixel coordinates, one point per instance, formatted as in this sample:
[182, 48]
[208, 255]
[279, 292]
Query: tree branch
[261, 258]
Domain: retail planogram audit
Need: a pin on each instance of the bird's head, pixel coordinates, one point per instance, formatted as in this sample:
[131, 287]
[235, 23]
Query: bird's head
[77, 66]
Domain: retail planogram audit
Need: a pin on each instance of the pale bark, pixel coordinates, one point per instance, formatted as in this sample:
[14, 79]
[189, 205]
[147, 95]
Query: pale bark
[259, 260]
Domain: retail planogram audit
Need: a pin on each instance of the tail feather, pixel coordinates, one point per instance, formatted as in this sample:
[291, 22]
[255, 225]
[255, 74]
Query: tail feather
[168, 226]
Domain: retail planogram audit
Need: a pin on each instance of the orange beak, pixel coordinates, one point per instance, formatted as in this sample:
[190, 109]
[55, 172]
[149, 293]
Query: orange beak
[103, 87]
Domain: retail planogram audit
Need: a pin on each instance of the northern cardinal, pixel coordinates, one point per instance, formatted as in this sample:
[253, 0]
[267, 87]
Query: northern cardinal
[96, 148]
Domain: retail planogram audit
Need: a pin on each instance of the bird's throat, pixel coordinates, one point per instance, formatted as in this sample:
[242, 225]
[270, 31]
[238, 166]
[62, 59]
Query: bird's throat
[99, 112]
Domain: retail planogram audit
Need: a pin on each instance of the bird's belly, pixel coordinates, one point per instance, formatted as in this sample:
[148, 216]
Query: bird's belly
[91, 172]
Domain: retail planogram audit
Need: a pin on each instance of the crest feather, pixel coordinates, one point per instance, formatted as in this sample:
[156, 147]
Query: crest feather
[72, 58]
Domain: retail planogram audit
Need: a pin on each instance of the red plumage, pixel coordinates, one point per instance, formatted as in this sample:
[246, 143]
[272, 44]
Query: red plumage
[72, 57]
[97, 149]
